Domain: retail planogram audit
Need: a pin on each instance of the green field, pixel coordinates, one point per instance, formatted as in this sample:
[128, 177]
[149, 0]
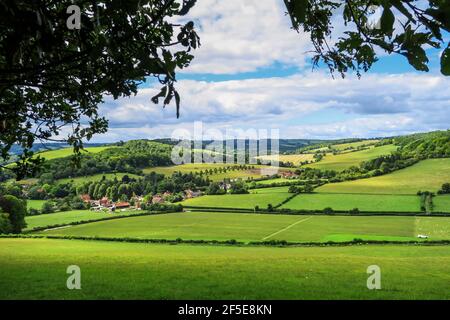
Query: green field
[35, 204]
[427, 175]
[276, 180]
[343, 146]
[36, 269]
[65, 152]
[256, 197]
[256, 227]
[98, 177]
[343, 161]
[44, 220]
[364, 202]
[441, 203]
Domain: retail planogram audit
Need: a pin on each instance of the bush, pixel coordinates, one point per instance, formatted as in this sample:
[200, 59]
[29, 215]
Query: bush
[16, 211]
[33, 212]
[48, 207]
[328, 210]
[354, 211]
[5, 224]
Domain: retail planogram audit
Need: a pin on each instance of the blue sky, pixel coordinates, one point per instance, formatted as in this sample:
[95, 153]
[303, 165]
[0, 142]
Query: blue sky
[252, 71]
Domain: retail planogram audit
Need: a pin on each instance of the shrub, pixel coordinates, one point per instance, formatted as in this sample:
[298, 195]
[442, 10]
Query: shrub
[328, 210]
[354, 211]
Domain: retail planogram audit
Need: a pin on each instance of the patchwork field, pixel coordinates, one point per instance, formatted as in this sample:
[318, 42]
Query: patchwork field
[256, 197]
[143, 271]
[65, 152]
[43, 220]
[343, 146]
[294, 158]
[343, 161]
[427, 175]
[98, 177]
[256, 227]
[441, 203]
[364, 202]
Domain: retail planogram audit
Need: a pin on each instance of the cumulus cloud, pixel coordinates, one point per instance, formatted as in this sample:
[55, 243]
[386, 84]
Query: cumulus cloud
[241, 36]
[376, 105]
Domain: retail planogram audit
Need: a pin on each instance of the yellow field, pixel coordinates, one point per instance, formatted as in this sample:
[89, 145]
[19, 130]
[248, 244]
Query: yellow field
[294, 158]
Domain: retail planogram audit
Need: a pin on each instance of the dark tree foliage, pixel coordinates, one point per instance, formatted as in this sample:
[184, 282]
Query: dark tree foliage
[406, 27]
[16, 211]
[53, 77]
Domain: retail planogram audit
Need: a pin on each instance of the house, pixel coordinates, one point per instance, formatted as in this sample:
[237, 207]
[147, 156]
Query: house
[166, 194]
[191, 194]
[104, 202]
[121, 205]
[288, 174]
[157, 199]
[86, 198]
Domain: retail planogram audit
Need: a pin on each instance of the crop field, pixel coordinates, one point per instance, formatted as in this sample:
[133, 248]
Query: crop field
[294, 158]
[256, 227]
[43, 220]
[98, 177]
[364, 202]
[256, 197]
[355, 145]
[441, 203]
[65, 152]
[427, 175]
[35, 204]
[145, 271]
[343, 161]
[187, 168]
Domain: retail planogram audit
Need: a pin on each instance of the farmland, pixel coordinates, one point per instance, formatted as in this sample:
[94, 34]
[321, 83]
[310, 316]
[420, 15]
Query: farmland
[441, 203]
[343, 161]
[364, 202]
[35, 268]
[66, 152]
[65, 217]
[256, 227]
[294, 158]
[426, 175]
[98, 177]
[257, 197]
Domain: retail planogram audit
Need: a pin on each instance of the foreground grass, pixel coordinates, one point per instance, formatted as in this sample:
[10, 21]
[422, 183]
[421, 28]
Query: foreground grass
[364, 202]
[44, 220]
[426, 175]
[257, 197]
[343, 161]
[257, 227]
[36, 269]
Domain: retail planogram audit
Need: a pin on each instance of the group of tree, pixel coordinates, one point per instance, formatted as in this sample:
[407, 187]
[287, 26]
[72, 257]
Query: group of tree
[12, 214]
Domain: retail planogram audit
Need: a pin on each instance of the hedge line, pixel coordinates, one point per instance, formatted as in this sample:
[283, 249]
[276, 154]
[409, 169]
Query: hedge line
[317, 212]
[232, 242]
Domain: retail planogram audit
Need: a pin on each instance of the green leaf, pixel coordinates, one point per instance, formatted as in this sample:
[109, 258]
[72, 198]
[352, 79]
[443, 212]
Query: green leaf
[387, 21]
[445, 61]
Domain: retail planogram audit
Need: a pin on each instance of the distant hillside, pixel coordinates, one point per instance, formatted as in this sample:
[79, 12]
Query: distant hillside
[434, 144]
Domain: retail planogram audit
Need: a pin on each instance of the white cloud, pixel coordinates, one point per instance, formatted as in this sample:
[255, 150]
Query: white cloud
[373, 106]
[241, 36]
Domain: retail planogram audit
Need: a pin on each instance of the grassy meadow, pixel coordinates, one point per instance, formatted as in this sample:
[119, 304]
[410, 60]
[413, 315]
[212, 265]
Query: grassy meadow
[426, 175]
[257, 227]
[98, 177]
[343, 161]
[256, 197]
[441, 203]
[36, 269]
[35, 204]
[66, 152]
[364, 202]
[43, 220]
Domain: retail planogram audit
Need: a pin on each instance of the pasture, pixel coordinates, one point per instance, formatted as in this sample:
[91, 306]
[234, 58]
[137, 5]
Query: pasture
[36, 269]
[344, 161]
[98, 177]
[364, 202]
[35, 204]
[66, 152]
[426, 175]
[441, 203]
[257, 227]
[43, 220]
[256, 197]
[343, 146]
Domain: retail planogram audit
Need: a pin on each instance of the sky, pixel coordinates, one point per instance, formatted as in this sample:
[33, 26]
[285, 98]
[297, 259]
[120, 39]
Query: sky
[253, 71]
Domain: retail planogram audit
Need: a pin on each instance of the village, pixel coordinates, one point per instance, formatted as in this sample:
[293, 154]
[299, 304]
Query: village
[135, 203]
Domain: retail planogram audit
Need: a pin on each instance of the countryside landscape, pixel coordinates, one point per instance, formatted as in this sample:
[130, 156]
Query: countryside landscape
[141, 227]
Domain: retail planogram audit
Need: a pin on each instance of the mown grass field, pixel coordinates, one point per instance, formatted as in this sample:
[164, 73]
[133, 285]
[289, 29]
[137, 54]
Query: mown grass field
[36, 269]
[256, 197]
[441, 203]
[65, 152]
[276, 180]
[43, 220]
[343, 161]
[427, 175]
[98, 177]
[294, 158]
[343, 146]
[257, 227]
[364, 202]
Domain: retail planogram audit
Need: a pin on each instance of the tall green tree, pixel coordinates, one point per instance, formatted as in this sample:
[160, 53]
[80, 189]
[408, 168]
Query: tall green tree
[16, 210]
[54, 77]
